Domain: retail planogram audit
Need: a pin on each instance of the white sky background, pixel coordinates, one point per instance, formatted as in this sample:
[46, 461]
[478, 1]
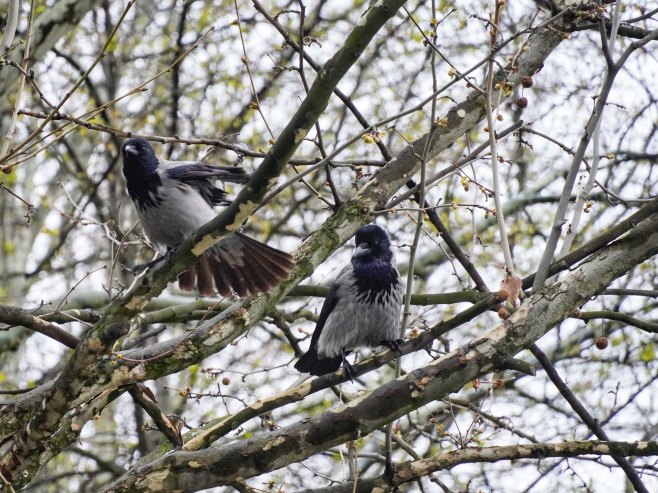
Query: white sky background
[565, 73]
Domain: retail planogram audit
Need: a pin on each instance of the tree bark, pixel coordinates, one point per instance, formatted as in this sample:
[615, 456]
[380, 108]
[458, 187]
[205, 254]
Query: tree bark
[541, 312]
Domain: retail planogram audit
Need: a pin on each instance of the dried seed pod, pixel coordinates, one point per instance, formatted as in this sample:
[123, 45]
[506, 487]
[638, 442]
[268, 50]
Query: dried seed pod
[502, 294]
[601, 343]
[503, 313]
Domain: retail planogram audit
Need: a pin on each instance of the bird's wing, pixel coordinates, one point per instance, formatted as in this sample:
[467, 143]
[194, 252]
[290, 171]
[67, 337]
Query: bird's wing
[201, 177]
[191, 171]
[329, 304]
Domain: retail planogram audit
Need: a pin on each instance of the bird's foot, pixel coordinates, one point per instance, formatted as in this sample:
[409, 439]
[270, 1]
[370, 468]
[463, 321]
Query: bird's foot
[149, 265]
[389, 470]
[169, 254]
[137, 269]
[394, 345]
[349, 370]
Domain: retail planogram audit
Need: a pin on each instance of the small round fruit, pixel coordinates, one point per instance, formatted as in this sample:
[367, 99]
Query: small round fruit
[601, 343]
[503, 313]
[522, 102]
[502, 294]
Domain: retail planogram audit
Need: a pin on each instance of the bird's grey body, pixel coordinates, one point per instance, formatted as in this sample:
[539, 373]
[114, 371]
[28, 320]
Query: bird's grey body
[181, 221]
[362, 308]
[174, 198]
[373, 318]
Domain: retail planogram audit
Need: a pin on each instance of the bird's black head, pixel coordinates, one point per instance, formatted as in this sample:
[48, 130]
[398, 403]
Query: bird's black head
[372, 242]
[137, 152]
[373, 266]
[140, 166]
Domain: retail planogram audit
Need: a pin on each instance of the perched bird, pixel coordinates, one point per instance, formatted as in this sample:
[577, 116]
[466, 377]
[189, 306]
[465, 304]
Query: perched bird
[174, 198]
[362, 308]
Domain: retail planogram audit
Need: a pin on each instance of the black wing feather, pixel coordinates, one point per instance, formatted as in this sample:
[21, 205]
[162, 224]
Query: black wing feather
[202, 171]
[328, 306]
[309, 362]
[201, 177]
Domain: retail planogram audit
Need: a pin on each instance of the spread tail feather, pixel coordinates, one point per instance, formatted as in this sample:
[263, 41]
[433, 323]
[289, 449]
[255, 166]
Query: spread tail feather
[204, 277]
[187, 279]
[198, 275]
[240, 264]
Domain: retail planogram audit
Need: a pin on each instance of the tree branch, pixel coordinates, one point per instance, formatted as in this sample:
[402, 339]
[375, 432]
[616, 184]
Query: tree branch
[651, 327]
[536, 316]
[13, 315]
[587, 418]
[413, 470]
[82, 379]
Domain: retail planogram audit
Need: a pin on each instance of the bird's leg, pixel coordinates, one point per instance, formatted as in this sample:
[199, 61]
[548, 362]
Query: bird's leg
[350, 371]
[169, 254]
[394, 345]
[149, 265]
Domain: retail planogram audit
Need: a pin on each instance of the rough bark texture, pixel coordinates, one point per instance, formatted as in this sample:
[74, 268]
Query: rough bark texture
[414, 470]
[273, 450]
[75, 386]
[91, 379]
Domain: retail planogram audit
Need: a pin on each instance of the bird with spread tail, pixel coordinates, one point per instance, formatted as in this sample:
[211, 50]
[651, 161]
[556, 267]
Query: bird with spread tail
[174, 198]
[362, 308]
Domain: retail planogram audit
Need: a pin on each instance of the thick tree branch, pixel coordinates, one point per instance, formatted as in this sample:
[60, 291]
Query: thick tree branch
[587, 418]
[72, 387]
[81, 380]
[414, 470]
[536, 316]
[13, 315]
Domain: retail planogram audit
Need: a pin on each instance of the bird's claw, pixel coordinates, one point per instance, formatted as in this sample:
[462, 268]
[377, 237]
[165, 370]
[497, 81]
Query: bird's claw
[349, 370]
[169, 254]
[139, 268]
[394, 345]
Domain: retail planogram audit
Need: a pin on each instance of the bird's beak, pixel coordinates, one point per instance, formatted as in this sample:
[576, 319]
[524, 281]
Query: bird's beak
[130, 149]
[361, 250]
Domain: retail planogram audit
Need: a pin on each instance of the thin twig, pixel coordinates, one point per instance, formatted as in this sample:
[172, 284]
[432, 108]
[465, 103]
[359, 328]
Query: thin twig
[597, 112]
[79, 82]
[651, 327]
[608, 50]
[455, 167]
[9, 138]
[318, 130]
[64, 298]
[419, 225]
[59, 132]
[245, 61]
[500, 216]
[587, 418]
[387, 120]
